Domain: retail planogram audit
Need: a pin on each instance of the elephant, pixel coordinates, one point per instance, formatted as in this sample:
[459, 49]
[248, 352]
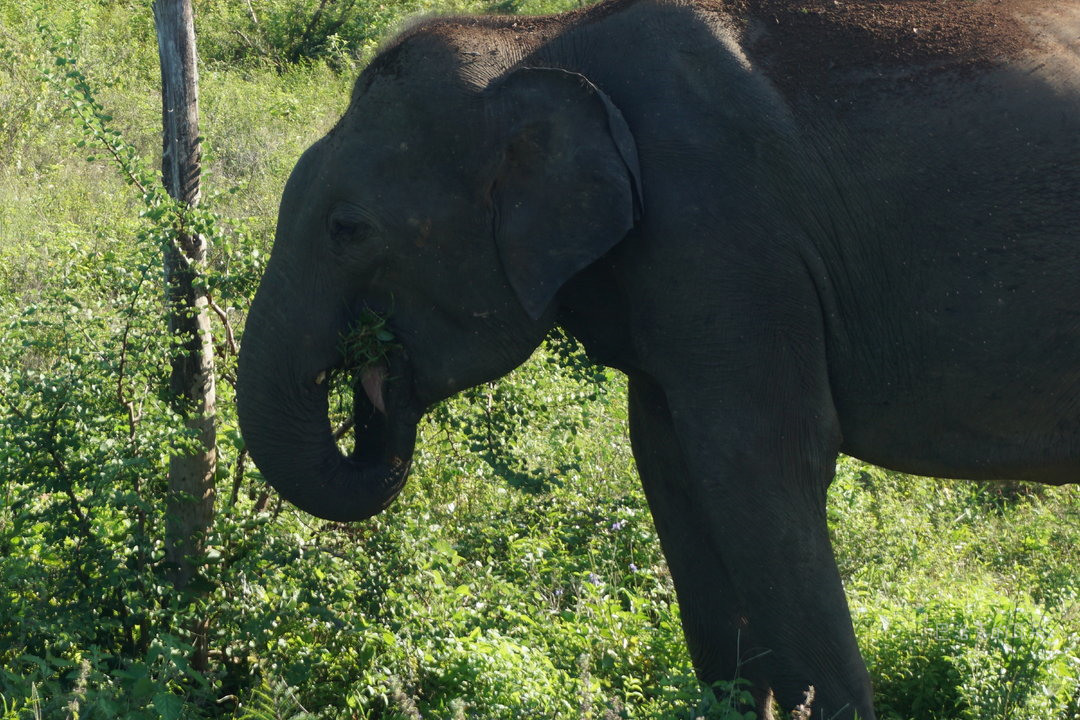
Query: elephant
[799, 229]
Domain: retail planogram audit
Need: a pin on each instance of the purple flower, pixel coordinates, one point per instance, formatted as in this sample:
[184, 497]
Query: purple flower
[633, 567]
[618, 525]
[594, 579]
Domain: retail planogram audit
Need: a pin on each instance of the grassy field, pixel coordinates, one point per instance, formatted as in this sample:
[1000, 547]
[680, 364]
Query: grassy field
[518, 575]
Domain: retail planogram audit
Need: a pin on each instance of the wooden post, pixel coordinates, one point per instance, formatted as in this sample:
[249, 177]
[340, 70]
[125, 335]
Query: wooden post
[190, 503]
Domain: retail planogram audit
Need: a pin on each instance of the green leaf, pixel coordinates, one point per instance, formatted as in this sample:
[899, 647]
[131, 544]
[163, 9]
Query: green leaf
[168, 706]
[142, 688]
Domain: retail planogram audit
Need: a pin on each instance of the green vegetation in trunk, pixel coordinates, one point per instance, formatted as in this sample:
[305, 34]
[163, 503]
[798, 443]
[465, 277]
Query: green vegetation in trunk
[367, 342]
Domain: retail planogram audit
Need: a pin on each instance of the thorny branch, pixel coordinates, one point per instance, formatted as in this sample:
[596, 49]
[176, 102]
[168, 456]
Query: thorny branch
[230, 337]
[238, 477]
[127, 403]
[343, 428]
[333, 27]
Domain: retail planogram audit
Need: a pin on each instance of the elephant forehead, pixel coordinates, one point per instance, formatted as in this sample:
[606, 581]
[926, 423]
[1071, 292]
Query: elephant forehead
[395, 155]
[413, 135]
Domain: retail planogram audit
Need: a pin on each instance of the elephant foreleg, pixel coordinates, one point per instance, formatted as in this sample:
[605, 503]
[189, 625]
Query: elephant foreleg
[751, 515]
[721, 647]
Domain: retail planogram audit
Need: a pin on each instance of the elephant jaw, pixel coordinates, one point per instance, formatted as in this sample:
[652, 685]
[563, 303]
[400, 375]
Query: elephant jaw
[385, 411]
[385, 418]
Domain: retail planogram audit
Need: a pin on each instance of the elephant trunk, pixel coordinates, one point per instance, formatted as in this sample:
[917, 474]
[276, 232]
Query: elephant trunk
[282, 402]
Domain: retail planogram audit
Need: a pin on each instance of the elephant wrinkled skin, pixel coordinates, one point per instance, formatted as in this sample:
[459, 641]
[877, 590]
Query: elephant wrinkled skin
[855, 228]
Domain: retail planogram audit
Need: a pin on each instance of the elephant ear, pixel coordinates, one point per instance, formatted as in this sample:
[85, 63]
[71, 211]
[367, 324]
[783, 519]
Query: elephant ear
[567, 184]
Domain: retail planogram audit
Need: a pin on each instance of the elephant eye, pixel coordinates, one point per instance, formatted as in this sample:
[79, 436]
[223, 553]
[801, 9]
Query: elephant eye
[349, 229]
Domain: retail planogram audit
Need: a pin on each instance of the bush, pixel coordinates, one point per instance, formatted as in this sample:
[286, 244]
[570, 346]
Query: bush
[973, 657]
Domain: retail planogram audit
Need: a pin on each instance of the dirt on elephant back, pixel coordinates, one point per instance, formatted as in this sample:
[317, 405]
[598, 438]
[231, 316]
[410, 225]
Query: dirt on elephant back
[798, 40]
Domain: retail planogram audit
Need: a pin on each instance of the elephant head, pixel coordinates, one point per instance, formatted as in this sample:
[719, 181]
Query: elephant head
[457, 207]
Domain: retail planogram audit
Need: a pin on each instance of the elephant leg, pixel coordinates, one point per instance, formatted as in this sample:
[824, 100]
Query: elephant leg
[708, 605]
[756, 472]
[736, 470]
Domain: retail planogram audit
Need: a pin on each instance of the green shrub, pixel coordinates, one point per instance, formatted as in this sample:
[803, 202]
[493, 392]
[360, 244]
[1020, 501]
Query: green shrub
[972, 655]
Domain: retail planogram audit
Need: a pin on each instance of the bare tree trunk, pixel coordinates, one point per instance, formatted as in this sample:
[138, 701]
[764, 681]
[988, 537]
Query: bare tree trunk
[190, 504]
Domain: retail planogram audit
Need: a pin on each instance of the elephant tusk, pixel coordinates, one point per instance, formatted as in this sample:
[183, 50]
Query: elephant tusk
[320, 378]
[372, 381]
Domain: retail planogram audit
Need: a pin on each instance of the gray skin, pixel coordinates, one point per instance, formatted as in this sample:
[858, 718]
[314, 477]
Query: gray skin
[877, 254]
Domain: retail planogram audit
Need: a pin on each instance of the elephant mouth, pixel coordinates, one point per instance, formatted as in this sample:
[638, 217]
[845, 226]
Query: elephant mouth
[365, 384]
[377, 403]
